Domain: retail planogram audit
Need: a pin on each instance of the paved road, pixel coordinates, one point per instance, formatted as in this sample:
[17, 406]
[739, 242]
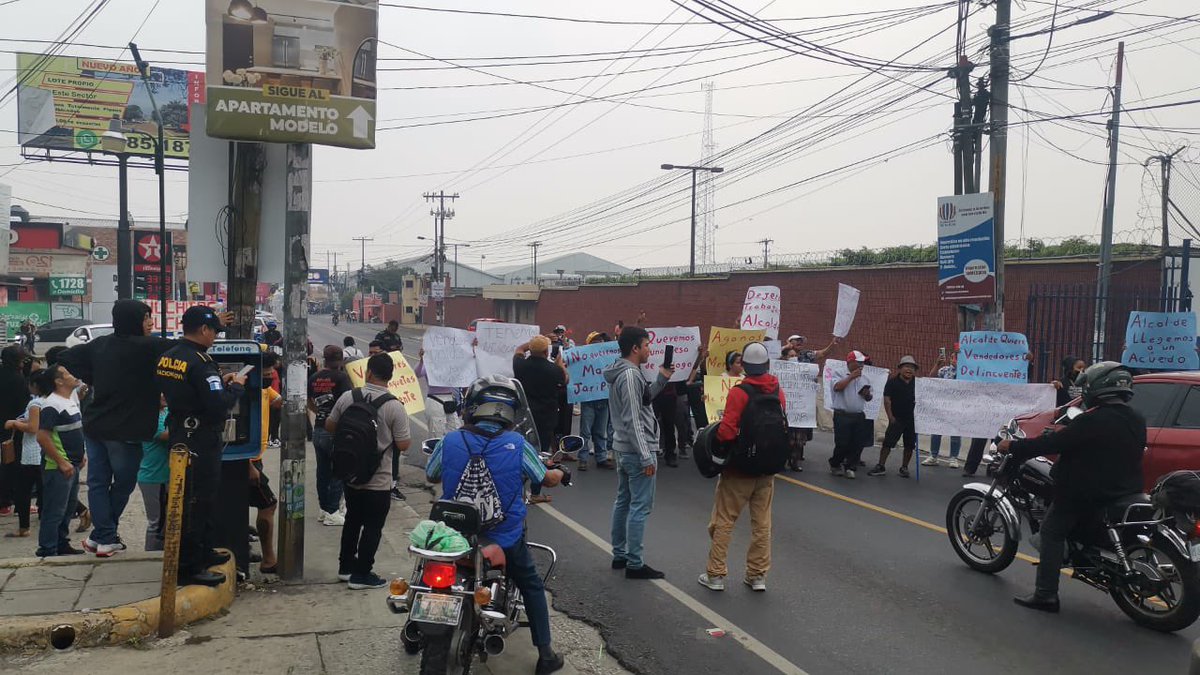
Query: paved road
[863, 581]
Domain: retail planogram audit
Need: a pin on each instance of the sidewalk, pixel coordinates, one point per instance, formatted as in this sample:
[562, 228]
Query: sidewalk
[314, 626]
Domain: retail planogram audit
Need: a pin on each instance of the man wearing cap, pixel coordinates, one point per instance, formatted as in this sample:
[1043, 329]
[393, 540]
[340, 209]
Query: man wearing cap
[900, 404]
[325, 387]
[199, 399]
[808, 355]
[852, 431]
[389, 338]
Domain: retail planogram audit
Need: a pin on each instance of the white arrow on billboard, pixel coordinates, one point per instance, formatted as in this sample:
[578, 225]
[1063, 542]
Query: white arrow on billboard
[360, 117]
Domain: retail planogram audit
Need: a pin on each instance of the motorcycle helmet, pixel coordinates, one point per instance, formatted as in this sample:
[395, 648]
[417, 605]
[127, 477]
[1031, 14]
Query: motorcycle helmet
[709, 453]
[494, 398]
[1105, 380]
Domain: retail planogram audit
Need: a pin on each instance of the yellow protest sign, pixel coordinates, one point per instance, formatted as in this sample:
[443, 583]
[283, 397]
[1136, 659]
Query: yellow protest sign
[403, 385]
[721, 341]
[716, 390]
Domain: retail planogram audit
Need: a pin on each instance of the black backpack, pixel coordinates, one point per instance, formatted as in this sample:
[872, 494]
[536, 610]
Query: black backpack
[356, 454]
[762, 444]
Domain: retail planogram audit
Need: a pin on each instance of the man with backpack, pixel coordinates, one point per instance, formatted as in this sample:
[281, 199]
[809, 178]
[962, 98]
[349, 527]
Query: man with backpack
[755, 425]
[368, 426]
[485, 464]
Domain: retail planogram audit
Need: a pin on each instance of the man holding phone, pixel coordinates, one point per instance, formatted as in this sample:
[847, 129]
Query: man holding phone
[544, 381]
[635, 442]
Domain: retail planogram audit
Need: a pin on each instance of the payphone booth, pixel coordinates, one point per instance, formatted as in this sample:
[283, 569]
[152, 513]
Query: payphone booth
[243, 442]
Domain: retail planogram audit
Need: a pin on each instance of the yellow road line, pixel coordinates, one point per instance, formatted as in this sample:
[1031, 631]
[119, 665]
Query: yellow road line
[881, 510]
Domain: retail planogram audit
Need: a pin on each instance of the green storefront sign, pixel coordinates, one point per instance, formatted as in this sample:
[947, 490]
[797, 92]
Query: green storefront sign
[249, 115]
[17, 312]
[64, 286]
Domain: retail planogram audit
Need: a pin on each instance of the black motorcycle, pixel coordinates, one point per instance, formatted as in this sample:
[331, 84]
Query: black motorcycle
[1143, 556]
[335, 318]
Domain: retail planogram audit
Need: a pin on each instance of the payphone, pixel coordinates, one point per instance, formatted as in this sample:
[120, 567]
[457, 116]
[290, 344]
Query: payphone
[244, 427]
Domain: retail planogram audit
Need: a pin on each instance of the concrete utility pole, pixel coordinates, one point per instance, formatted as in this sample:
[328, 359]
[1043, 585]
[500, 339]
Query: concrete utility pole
[694, 170]
[998, 178]
[362, 270]
[534, 247]
[766, 249]
[292, 431]
[1165, 165]
[1106, 227]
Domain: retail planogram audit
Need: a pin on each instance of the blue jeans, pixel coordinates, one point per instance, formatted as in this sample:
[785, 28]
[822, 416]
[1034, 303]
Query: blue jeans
[635, 499]
[525, 574]
[935, 446]
[59, 496]
[112, 477]
[329, 488]
[593, 426]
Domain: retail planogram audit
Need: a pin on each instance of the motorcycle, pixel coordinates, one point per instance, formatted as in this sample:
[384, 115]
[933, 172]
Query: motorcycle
[462, 606]
[335, 319]
[1138, 554]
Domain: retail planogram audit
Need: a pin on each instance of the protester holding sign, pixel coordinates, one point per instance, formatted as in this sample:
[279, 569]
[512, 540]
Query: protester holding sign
[543, 381]
[761, 310]
[899, 402]
[585, 372]
[1068, 391]
[852, 431]
[798, 382]
[441, 414]
[847, 307]
[991, 356]
[723, 341]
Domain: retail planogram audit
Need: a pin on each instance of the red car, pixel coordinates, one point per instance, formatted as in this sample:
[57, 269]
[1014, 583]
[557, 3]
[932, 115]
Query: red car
[1170, 402]
[475, 322]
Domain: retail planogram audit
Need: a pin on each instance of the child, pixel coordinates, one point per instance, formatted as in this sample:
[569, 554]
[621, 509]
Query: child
[152, 480]
[27, 474]
[60, 435]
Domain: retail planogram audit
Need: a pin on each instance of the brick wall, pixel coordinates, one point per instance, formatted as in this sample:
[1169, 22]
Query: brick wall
[898, 313]
[461, 310]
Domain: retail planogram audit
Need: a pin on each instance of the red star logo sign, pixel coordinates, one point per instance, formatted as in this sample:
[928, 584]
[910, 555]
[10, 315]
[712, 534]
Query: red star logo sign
[151, 249]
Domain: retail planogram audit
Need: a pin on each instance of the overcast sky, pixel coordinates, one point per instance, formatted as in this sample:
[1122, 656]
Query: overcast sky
[518, 170]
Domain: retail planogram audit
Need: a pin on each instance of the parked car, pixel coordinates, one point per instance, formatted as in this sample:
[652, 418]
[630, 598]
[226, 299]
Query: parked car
[88, 333]
[474, 322]
[1170, 402]
[58, 329]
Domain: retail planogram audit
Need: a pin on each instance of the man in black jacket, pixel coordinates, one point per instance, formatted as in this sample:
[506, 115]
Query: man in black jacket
[122, 413]
[14, 395]
[389, 339]
[1099, 461]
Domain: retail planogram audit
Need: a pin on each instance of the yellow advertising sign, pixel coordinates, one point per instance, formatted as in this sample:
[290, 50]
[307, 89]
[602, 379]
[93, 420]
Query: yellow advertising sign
[721, 341]
[403, 385]
[716, 390]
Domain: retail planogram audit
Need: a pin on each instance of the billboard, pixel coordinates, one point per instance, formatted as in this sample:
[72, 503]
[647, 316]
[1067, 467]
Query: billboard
[67, 102]
[292, 71]
[318, 275]
[966, 250]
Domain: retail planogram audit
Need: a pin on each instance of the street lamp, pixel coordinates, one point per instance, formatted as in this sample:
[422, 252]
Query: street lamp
[114, 142]
[693, 169]
[159, 168]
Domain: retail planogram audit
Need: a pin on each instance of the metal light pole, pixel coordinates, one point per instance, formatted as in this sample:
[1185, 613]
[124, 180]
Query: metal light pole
[114, 142]
[693, 169]
[159, 168]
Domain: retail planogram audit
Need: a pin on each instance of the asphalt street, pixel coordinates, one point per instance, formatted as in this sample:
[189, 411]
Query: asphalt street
[863, 580]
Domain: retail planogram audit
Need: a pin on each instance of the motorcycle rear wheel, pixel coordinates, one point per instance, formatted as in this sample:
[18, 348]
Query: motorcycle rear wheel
[435, 656]
[979, 550]
[1166, 607]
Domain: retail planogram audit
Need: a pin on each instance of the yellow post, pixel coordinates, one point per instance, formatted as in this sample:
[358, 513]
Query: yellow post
[172, 532]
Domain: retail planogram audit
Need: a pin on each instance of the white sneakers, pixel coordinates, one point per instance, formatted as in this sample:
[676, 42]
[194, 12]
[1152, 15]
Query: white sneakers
[713, 583]
[335, 519]
[102, 550]
[953, 463]
[929, 461]
[756, 584]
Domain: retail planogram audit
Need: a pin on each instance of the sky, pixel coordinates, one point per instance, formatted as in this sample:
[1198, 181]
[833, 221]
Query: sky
[822, 149]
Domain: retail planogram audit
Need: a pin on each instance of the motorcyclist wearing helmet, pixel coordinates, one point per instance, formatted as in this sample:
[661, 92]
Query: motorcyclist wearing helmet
[491, 409]
[1099, 461]
[272, 337]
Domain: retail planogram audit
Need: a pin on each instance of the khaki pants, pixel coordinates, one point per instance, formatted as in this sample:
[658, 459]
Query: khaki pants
[734, 491]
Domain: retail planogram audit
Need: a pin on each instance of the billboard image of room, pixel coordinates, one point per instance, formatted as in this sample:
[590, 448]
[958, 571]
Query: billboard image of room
[68, 102]
[292, 71]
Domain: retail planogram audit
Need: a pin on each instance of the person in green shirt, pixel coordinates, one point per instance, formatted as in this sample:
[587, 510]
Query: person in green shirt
[152, 480]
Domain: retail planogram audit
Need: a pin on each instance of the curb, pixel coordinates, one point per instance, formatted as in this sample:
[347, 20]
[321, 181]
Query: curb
[114, 625]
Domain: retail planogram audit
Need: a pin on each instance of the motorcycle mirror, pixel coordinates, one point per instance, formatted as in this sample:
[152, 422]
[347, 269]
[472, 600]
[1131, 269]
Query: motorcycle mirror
[428, 446]
[571, 444]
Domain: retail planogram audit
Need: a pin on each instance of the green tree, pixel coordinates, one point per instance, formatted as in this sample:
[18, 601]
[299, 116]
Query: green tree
[174, 114]
[134, 113]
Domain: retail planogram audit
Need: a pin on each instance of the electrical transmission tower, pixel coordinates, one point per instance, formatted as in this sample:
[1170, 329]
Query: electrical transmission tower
[707, 243]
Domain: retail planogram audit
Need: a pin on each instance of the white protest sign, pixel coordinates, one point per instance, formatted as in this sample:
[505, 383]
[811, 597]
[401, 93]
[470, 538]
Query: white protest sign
[497, 344]
[761, 309]
[847, 307]
[975, 409]
[799, 384]
[874, 376]
[449, 357]
[686, 341]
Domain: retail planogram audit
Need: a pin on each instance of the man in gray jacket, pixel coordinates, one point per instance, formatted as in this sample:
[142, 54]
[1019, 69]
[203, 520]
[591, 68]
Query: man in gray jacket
[635, 442]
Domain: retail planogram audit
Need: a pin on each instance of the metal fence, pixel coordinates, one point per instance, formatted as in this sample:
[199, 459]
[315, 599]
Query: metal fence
[1061, 323]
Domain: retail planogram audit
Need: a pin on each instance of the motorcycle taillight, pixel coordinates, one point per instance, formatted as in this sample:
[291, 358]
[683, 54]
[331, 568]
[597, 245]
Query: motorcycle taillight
[1195, 533]
[438, 574]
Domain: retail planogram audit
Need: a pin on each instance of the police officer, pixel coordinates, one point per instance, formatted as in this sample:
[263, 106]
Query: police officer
[1099, 462]
[389, 338]
[199, 399]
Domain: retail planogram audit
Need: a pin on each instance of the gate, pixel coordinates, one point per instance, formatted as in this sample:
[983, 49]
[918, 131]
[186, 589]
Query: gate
[1061, 322]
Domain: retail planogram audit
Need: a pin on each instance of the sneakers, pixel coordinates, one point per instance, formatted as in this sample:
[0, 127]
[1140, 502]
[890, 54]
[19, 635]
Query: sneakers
[756, 584]
[583, 465]
[360, 582]
[274, 443]
[837, 471]
[344, 576]
[712, 583]
[7, 511]
[545, 666]
[89, 545]
[879, 471]
[643, 572]
[606, 464]
[618, 564]
[334, 519]
[849, 474]
[904, 472]
[684, 453]
[933, 461]
[953, 463]
[109, 550]
[397, 495]
[539, 499]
